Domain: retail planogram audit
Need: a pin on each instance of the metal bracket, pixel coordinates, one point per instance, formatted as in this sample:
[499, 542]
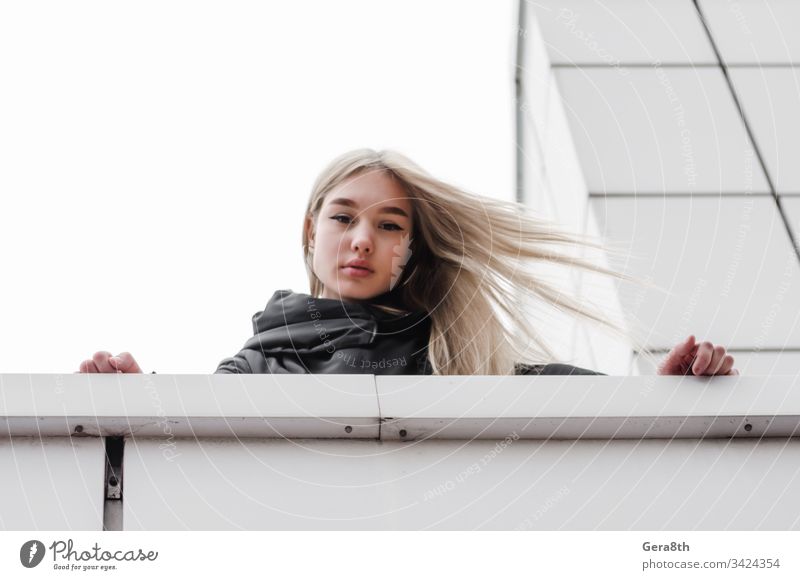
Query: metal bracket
[112, 506]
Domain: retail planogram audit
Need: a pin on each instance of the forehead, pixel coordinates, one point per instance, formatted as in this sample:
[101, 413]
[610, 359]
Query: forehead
[371, 189]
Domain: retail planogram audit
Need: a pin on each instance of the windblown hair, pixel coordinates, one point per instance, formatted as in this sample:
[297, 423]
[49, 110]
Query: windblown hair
[470, 268]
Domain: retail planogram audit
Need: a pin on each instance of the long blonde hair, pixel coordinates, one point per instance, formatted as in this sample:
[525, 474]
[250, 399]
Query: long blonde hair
[468, 264]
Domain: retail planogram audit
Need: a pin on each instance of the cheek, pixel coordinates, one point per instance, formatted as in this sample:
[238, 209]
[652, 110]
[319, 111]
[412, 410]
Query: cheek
[327, 249]
[329, 236]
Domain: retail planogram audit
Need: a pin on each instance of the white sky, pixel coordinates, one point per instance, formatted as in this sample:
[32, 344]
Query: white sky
[156, 157]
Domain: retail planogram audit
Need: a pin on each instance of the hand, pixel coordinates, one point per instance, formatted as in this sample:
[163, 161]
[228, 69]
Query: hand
[699, 359]
[104, 362]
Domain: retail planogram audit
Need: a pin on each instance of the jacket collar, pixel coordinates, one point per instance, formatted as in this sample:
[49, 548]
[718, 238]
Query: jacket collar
[308, 322]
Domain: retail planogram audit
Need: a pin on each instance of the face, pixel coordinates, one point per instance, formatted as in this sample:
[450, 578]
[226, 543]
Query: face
[366, 219]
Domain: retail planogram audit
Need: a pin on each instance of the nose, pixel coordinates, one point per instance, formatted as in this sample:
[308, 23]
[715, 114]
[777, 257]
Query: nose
[362, 245]
[362, 240]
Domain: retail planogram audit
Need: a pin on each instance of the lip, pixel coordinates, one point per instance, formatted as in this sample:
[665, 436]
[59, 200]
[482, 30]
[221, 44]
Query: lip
[358, 264]
[356, 272]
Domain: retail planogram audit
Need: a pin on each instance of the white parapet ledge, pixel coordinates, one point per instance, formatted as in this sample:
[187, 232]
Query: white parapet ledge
[399, 407]
[283, 406]
[588, 407]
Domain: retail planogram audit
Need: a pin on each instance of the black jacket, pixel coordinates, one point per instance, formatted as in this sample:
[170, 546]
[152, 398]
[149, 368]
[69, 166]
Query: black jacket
[297, 333]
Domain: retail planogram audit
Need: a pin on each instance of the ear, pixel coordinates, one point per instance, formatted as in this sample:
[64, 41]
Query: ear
[309, 227]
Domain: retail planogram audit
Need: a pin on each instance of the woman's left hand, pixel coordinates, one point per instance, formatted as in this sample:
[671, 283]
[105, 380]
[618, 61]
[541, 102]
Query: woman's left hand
[698, 359]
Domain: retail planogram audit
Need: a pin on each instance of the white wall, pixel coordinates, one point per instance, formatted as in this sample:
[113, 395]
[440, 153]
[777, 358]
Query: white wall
[684, 118]
[556, 190]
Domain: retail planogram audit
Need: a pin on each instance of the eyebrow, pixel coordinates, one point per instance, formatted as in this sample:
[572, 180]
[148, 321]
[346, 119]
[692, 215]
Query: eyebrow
[350, 203]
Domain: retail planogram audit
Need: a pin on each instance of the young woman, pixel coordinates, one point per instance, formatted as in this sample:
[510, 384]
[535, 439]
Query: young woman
[411, 275]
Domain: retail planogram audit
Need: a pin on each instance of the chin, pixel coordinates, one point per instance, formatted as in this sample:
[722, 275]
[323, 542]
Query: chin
[355, 295]
[350, 291]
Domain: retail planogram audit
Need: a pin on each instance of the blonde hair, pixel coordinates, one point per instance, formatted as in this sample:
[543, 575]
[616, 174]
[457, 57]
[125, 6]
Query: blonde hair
[468, 264]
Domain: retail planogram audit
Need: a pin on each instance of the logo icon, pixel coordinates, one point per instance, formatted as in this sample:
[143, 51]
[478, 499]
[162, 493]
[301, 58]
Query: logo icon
[31, 553]
[402, 254]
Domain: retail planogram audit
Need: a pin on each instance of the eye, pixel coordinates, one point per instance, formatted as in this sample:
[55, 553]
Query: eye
[345, 219]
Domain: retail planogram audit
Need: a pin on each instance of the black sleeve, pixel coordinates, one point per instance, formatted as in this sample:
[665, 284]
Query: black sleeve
[235, 365]
[553, 369]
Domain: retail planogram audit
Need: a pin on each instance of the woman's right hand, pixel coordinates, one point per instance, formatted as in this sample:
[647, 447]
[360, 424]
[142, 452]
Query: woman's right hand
[104, 362]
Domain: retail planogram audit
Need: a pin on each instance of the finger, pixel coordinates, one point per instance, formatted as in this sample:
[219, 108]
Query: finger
[88, 366]
[124, 362]
[679, 358]
[727, 365]
[704, 354]
[100, 358]
[733, 372]
[686, 347]
[687, 359]
[717, 360]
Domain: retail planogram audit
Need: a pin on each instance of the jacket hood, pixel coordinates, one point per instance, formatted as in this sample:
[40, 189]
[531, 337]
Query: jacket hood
[302, 324]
